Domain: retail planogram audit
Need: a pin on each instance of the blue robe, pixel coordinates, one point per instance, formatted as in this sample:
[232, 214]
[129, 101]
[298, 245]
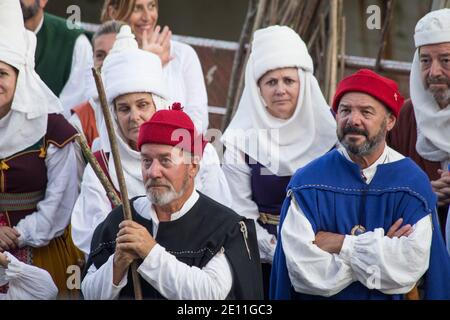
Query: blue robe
[338, 199]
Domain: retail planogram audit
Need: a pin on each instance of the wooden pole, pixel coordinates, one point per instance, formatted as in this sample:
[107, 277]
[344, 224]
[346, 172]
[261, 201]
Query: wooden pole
[119, 171]
[333, 50]
[384, 33]
[109, 188]
[343, 46]
[238, 63]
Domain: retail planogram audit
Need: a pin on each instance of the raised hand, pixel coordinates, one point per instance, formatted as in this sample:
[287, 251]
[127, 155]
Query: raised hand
[158, 42]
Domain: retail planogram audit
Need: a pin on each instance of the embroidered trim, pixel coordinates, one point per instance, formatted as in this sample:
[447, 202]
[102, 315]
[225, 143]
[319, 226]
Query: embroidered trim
[102, 245]
[20, 201]
[191, 252]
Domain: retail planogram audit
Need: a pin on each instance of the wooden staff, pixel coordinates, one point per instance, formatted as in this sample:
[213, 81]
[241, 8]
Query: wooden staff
[109, 188]
[384, 33]
[119, 171]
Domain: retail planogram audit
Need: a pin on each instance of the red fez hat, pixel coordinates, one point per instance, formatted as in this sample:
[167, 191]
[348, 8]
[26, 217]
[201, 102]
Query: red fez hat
[172, 127]
[366, 81]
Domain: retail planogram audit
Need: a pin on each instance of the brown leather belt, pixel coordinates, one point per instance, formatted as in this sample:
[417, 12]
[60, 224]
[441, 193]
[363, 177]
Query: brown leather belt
[267, 218]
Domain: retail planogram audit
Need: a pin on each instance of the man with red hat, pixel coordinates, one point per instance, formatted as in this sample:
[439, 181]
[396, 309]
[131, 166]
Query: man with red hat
[365, 227]
[188, 245]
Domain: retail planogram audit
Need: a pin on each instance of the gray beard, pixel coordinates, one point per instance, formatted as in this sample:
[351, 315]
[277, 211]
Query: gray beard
[367, 146]
[164, 198]
[441, 98]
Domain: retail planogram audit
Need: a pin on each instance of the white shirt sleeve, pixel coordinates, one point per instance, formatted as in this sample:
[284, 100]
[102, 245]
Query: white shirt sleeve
[176, 280]
[238, 175]
[91, 208]
[391, 265]
[211, 180]
[98, 284]
[196, 105]
[26, 282]
[53, 212]
[311, 270]
[73, 92]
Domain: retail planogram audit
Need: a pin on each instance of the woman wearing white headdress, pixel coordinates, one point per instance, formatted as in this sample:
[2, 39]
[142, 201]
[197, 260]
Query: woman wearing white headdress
[135, 91]
[38, 186]
[282, 123]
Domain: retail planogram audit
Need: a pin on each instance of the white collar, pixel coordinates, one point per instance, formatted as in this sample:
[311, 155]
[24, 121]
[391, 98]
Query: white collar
[389, 155]
[146, 210]
[38, 28]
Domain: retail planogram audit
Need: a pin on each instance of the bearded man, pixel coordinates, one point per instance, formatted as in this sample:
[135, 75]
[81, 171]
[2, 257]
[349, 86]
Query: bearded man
[423, 128]
[187, 245]
[366, 226]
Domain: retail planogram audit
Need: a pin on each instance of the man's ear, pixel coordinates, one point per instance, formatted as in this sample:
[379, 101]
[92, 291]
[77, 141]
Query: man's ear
[43, 3]
[194, 166]
[391, 120]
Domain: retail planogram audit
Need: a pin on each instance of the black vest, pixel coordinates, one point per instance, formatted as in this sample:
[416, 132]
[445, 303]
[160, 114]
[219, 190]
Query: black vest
[193, 239]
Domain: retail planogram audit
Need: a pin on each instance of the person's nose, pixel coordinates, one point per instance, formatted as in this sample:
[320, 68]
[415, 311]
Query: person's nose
[154, 171]
[280, 89]
[435, 69]
[135, 115]
[354, 119]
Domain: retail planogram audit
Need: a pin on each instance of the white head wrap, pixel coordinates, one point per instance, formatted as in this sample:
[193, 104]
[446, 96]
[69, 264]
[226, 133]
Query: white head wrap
[282, 146]
[128, 69]
[433, 124]
[26, 123]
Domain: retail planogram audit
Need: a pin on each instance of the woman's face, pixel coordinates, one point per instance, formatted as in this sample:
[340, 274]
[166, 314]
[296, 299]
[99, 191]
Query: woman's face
[280, 89]
[143, 17]
[132, 110]
[8, 80]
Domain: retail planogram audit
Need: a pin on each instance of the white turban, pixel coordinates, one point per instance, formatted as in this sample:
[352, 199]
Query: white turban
[282, 146]
[128, 69]
[32, 100]
[433, 124]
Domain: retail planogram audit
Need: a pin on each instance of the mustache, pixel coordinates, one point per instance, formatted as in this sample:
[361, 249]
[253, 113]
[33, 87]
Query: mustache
[355, 130]
[157, 183]
[438, 80]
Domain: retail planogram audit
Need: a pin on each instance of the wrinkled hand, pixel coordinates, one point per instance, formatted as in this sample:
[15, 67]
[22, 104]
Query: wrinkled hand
[135, 239]
[442, 188]
[398, 231]
[158, 42]
[329, 242]
[9, 239]
[3, 260]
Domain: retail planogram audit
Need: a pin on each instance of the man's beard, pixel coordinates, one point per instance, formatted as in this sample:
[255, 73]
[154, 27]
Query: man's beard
[162, 198]
[368, 146]
[29, 11]
[442, 96]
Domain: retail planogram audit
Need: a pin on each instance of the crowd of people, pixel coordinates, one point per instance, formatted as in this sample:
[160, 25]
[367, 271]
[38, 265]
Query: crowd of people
[310, 201]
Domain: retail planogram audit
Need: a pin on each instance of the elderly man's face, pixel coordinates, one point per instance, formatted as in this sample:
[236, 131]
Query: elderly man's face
[362, 123]
[168, 173]
[435, 68]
